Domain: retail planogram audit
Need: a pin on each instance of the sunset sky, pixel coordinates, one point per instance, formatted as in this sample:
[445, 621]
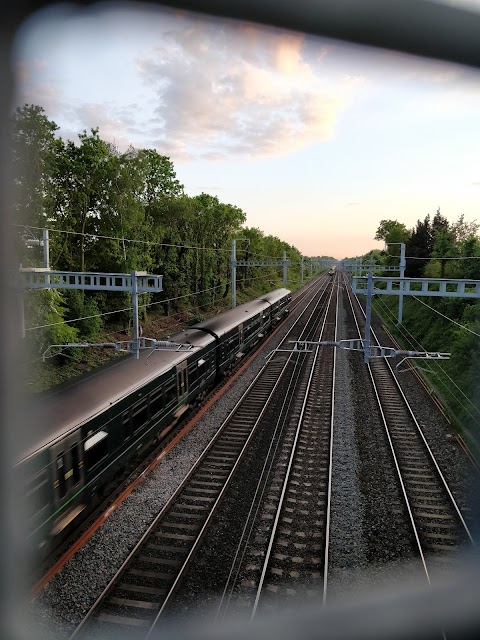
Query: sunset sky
[315, 140]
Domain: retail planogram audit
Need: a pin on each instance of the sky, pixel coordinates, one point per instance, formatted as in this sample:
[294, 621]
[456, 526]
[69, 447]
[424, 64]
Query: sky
[315, 140]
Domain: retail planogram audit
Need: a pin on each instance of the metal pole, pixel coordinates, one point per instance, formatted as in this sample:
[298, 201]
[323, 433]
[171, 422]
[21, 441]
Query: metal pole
[311, 268]
[46, 249]
[233, 264]
[302, 272]
[368, 315]
[135, 341]
[403, 265]
[284, 268]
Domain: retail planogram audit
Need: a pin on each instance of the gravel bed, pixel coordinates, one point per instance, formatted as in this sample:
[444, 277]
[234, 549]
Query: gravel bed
[440, 435]
[363, 553]
[60, 607]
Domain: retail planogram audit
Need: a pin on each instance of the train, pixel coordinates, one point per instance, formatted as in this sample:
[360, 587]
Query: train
[87, 431]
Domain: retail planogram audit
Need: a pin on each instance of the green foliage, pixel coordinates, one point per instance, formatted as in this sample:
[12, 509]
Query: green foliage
[116, 212]
[456, 381]
[47, 308]
[80, 305]
[392, 231]
[32, 146]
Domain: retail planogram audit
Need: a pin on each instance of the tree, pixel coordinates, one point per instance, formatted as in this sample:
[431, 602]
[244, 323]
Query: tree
[392, 231]
[84, 184]
[32, 147]
[158, 177]
[464, 230]
[419, 248]
[444, 247]
[470, 250]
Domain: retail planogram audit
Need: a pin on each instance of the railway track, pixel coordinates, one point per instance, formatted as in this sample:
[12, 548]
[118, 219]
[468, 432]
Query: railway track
[437, 523]
[145, 583]
[283, 553]
[139, 470]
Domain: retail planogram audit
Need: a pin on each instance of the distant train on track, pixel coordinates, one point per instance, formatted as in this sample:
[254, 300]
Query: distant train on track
[87, 431]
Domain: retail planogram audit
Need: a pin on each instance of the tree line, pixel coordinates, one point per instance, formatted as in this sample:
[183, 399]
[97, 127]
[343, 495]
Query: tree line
[112, 211]
[437, 248]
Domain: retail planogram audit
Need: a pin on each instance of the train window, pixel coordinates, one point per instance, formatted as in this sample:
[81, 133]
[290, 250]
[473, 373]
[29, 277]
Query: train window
[170, 394]
[139, 415]
[96, 448]
[36, 493]
[202, 367]
[126, 425]
[156, 402]
[181, 382]
[62, 485]
[193, 373]
[75, 457]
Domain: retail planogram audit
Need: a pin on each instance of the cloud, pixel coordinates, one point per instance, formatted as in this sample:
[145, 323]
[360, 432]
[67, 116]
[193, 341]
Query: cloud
[226, 89]
[199, 88]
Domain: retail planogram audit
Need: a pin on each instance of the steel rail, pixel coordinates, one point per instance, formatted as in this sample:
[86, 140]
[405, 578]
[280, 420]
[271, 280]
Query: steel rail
[286, 363]
[259, 509]
[293, 452]
[392, 449]
[330, 464]
[430, 456]
[422, 435]
[243, 543]
[113, 582]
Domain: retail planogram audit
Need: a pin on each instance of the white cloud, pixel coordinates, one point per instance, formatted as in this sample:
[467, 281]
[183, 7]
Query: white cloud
[241, 89]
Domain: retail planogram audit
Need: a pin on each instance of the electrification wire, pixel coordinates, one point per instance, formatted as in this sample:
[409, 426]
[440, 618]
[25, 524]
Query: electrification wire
[97, 315]
[446, 317]
[428, 366]
[145, 242]
[442, 258]
[107, 313]
[145, 305]
[414, 342]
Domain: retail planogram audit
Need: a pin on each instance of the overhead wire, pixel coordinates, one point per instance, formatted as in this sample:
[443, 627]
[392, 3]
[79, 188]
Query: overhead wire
[446, 317]
[145, 242]
[412, 341]
[144, 305]
[122, 240]
[442, 258]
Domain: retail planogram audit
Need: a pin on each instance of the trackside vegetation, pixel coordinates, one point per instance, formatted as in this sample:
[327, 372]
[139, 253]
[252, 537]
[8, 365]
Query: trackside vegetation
[437, 248]
[112, 211]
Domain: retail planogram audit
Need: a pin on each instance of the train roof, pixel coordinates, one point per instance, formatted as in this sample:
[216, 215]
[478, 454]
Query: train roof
[66, 408]
[223, 323]
[193, 336]
[275, 295]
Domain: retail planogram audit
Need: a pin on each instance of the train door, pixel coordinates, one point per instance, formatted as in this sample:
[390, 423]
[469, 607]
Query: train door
[68, 471]
[182, 381]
